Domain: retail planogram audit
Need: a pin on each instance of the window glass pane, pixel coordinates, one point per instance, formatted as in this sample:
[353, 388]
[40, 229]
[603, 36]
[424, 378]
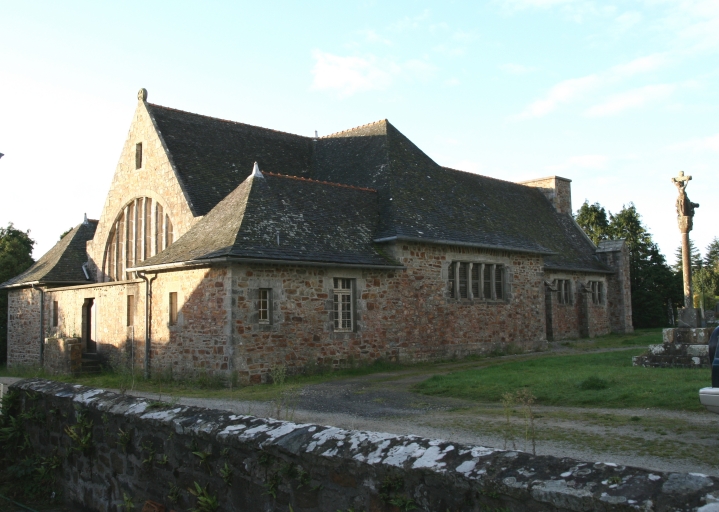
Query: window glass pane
[173, 308]
[148, 228]
[343, 313]
[499, 282]
[487, 281]
[450, 279]
[475, 281]
[263, 306]
[130, 254]
[463, 267]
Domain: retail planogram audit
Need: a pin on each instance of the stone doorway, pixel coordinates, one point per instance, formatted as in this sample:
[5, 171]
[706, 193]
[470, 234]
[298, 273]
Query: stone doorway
[88, 326]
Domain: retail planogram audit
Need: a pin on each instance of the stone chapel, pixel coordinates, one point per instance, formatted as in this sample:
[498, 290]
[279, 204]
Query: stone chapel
[232, 249]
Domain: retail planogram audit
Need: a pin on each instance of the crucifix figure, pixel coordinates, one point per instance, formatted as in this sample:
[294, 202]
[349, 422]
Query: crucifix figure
[685, 214]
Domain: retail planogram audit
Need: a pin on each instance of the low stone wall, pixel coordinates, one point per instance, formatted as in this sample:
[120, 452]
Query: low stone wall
[62, 356]
[135, 449]
[682, 348]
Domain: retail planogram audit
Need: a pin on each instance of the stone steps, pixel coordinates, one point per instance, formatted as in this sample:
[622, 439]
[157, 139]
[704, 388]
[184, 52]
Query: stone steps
[90, 363]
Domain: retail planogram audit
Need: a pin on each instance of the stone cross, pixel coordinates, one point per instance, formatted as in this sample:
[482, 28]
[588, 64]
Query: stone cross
[685, 216]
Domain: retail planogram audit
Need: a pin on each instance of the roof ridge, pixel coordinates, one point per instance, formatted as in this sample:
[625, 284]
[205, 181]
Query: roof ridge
[227, 120]
[318, 181]
[355, 128]
[481, 175]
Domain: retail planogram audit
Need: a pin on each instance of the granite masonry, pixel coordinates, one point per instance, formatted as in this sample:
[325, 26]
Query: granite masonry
[114, 448]
[229, 249]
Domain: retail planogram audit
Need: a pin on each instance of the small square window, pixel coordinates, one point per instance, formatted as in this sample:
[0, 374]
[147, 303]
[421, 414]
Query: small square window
[173, 308]
[138, 155]
[343, 305]
[264, 306]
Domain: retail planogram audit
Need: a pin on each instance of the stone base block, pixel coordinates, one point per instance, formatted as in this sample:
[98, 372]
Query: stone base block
[682, 348]
[690, 318]
[683, 335]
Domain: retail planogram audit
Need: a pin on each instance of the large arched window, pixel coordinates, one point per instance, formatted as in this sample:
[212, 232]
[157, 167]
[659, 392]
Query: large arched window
[142, 229]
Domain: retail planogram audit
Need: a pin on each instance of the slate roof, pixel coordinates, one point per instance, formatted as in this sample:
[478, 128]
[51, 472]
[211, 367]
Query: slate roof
[420, 200]
[212, 156]
[276, 217]
[61, 265]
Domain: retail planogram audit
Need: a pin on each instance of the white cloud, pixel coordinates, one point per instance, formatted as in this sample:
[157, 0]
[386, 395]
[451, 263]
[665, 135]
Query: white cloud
[581, 162]
[563, 92]
[628, 19]
[350, 75]
[710, 143]
[452, 82]
[634, 98]
[516, 69]
[641, 65]
[373, 37]
[529, 4]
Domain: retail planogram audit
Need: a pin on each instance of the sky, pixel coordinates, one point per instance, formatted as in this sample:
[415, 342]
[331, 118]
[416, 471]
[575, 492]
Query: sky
[618, 96]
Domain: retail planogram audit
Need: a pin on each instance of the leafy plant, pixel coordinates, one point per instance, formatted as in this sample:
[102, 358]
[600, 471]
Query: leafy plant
[226, 474]
[127, 502]
[148, 447]
[81, 433]
[162, 460]
[272, 485]
[389, 493]
[204, 460]
[123, 439]
[174, 494]
[206, 502]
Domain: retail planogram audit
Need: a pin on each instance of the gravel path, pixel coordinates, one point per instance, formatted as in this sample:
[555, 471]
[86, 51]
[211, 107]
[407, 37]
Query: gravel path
[650, 438]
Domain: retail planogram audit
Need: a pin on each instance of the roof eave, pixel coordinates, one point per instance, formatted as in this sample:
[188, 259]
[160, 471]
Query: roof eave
[579, 269]
[400, 238]
[233, 259]
[26, 284]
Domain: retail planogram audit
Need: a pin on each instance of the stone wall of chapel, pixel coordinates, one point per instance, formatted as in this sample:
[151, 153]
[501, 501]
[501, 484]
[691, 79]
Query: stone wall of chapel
[402, 315]
[23, 328]
[581, 317]
[200, 341]
[116, 341]
[155, 179]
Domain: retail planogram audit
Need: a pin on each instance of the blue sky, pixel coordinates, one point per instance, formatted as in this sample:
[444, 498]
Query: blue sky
[616, 96]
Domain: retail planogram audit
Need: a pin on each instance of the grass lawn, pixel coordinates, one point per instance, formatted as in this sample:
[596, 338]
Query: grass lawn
[605, 379]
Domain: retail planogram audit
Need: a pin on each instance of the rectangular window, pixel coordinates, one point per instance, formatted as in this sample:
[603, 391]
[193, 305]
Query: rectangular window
[148, 228]
[159, 228]
[138, 155]
[596, 288]
[130, 310]
[487, 282]
[173, 308]
[130, 254]
[55, 313]
[498, 282]
[476, 281]
[139, 224]
[264, 306]
[564, 291]
[463, 267]
[343, 307]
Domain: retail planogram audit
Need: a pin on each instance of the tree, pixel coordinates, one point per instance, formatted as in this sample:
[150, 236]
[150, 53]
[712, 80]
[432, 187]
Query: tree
[711, 258]
[15, 257]
[695, 258]
[594, 222]
[652, 281]
[65, 233]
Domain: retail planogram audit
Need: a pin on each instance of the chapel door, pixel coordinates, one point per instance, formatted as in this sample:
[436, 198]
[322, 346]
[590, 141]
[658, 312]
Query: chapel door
[88, 320]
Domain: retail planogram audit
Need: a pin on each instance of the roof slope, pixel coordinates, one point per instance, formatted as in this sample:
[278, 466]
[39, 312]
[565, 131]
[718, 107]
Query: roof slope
[287, 218]
[421, 200]
[212, 156]
[63, 263]
[417, 198]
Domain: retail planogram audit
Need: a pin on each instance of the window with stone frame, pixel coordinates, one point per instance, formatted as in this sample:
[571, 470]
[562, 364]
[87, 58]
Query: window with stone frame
[344, 309]
[476, 280]
[130, 310]
[264, 305]
[596, 289]
[173, 308]
[141, 230]
[55, 313]
[564, 291]
[138, 155]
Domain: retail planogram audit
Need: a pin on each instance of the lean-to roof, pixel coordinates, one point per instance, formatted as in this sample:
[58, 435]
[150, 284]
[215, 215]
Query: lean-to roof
[62, 264]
